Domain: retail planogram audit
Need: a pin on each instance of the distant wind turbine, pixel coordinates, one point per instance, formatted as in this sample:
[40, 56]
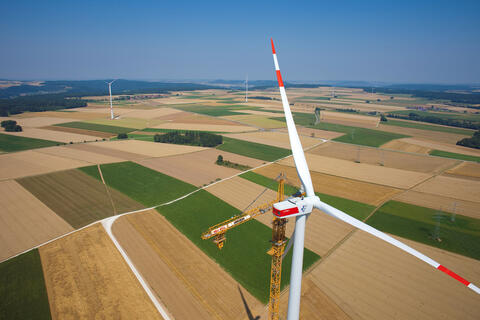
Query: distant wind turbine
[110, 92]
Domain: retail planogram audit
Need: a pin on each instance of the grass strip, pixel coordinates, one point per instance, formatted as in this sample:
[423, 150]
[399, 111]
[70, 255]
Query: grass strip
[9, 143]
[453, 155]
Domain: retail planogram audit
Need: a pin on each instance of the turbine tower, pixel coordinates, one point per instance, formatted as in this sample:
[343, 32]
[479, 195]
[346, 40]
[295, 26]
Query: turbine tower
[110, 92]
[301, 208]
[246, 90]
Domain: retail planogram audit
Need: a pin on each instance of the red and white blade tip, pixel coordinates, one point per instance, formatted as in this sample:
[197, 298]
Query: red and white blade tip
[273, 46]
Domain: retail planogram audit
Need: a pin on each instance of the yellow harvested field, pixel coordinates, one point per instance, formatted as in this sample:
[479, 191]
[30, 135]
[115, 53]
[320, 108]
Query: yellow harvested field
[186, 280]
[65, 137]
[371, 279]
[28, 163]
[257, 121]
[349, 119]
[87, 278]
[427, 135]
[204, 127]
[452, 187]
[405, 146]
[125, 121]
[467, 169]
[36, 122]
[71, 153]
[437, 202]
[316, 133]
[391, 159]
[361, 171]
[98, 134]
[71, 114]
[150, 114]
[195, 118]
[369, 193]
[147, 149]
[322, 231]
[90, 147]
[273, 138]
[25, 221]
[198, 168]
[443, 146]
[265, 113]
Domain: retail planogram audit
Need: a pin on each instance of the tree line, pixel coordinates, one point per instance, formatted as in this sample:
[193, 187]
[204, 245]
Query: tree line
[193, 138]
[462, 123]
[11, 126]
[473, 142]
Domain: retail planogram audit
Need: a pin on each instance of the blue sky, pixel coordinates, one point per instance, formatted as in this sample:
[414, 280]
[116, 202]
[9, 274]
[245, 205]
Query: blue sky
[401, 41]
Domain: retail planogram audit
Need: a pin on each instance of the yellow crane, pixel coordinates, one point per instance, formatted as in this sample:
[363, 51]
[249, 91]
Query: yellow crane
[217, 232]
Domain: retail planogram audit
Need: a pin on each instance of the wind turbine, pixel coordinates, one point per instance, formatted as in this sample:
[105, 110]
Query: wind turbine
[110, 92]
[301, 207]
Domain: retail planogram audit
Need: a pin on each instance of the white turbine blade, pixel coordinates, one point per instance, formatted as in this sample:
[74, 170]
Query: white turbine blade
[365, 227]
[297, 150]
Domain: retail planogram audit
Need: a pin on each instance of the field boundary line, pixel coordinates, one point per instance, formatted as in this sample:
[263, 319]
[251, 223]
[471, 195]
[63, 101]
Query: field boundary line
[106, 189]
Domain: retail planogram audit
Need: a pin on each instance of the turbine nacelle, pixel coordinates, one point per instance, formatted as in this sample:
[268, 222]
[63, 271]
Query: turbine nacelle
[295, 207]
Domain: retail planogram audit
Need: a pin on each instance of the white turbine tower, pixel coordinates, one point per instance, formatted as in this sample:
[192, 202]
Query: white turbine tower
[301, 207]
[110, 92]
[246, 90]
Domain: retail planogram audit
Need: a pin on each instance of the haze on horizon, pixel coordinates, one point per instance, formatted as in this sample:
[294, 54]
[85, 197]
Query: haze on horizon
[410, 41]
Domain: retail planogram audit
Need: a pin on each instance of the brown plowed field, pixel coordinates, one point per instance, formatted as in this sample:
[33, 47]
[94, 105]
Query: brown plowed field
[464, 189]
[444, 203]
[36, 122]
[322, 231]
[195, 118]
[336, 186]
[89, 147]
[466, 169]
[349, 119]
[25, 222]
[76, 197]
[198, 168]
[150, 114]
[370, 279]
[390, 159]
[71, 114]
[72, 153]
[436, 144]
[361, 171]
[273, 138]
[147, 149]
[98, 134]
[404, 146]
[27, 163]
[434, 136]
[52, 135]
[86, 278]
[189, 284]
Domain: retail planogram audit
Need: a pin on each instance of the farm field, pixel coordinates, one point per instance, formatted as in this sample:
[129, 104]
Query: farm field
[406, 147]
[100, 150]
[141, 184]
[10, 143]
[125, 122]
[466, 169]
[426, 126]
[389, 159]
[27, 163]
[322, 231]
[37, 122]
[391, 177]
[113, 129]
[316, 133]
[23, 294]
[185, 279]
[98, 134]
[69, 152]
[246, 246]
[272, 138]
[439, 137]
[360, 276]
[150, 114]
[83, 199]
[452, 148]
[364, 192]
[460, 235]
[146, 149]
[203, 127]
[198, 168]
[453, 155]
[349, 119]
[463, 189]
[253, 150]
[257, 121]
[65, 137]
[86, 277]
[25, 221]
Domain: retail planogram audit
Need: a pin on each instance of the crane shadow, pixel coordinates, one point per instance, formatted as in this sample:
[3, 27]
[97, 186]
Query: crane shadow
[247, 309]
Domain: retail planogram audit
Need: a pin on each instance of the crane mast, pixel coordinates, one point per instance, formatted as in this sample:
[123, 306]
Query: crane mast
[217, 232]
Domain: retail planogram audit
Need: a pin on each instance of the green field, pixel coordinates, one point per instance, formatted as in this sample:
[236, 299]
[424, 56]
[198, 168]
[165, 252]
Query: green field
[453, 155]
[432, 127]
[22, 291]
[353, 135]
[216, 111]
[147, 186]
[244, 254]
[173, 130]
[9, 143]
[253, 150]
[96, 127]
[355, 209]
[416, 223]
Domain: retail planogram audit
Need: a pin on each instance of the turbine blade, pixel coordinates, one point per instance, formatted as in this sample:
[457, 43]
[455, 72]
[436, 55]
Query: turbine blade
[377, 233]
[297, 150]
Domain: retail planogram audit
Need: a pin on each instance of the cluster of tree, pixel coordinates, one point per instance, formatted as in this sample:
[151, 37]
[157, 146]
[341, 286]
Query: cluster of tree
[193, 138]
[122, 136]
[462, 123]
[473, 142]
[38, 103]
[221, 162]
[347, 110]
[383, 118]
[11, 126]
[262, 98]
